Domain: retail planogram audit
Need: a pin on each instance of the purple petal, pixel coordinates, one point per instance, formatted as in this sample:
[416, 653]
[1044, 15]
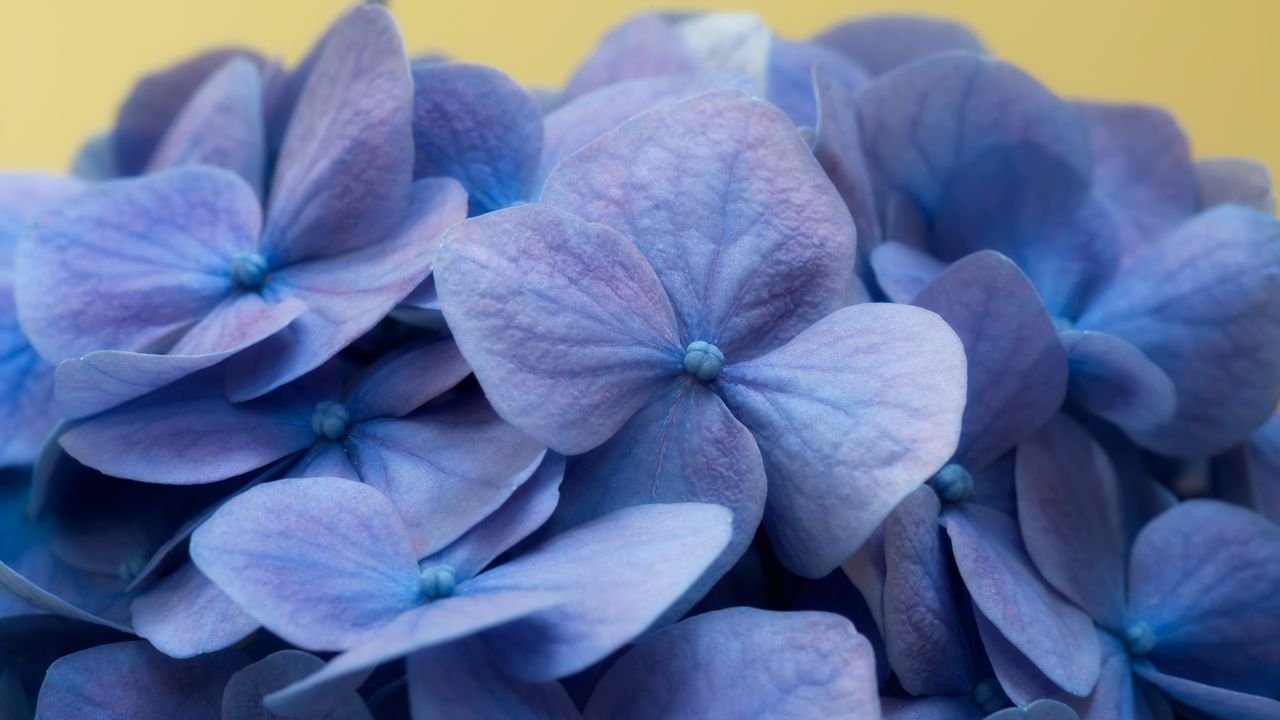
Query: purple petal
[27, 411]
[242, 697]
[1055, 636]
[16, 585]
[445, 469]
[186, 615]
[903, 271]
[325, 459]
[1217, 702]
[837, 145]
[221, 125]
[342, 304]
[422, 627]
[134, 262]
[404, 380]
[1205, 579]
[924, 633]
[1264, 471]
[744, 662]
[320, 562]
[22, 197]
[851, 416]
[1235, 180]
[1017, 366]
[1198, 305]
[1019, 678]
[475, 124]
[790, 81]
[131, 681]
[524, 512]
[1038, 710]
[881, 44]
[1118, 693]
[683, 446]
[562, 321]
[190, 433]
[457, 680]
[934, 708]
[343, 177]
[1116, 381]
[738, 220]
[1070, 511]
[595, 569]
[644, 46]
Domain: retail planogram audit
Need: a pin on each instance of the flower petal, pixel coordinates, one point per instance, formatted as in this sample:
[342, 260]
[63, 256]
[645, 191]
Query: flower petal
[320, 562]
[1114, 380]
[27, 411]
[404, 380]
[1217, 702]
[883, 43]
[562, 322]
[903, 271]
[475, 124]
[242, 697]
[457, 680]
[644, 46]
[725, 200]
[744, 662]
[1235, 180]
[186, 615]
[837, 145]
[851, 416]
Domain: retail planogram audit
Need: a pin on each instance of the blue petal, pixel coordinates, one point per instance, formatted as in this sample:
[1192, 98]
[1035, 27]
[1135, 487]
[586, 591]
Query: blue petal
[1217, 702]
[402, 381]
[1114, 380]
[880, 44]
[242, 697]
[1235, 180]
[643, 46]
[457, 680]
[186, 615]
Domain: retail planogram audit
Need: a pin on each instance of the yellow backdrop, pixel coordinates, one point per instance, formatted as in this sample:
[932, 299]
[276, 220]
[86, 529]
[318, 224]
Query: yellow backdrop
[65, 64]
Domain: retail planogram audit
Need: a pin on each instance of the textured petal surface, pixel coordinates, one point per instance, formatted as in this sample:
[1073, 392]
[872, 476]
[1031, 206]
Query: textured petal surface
[132, 681]
[242, 698]
[852, 415]
[475, 124]
[1017, 366]
[719, 192]
[1199, 304]
[457, 680]
[1070, 511]
[562, 322]
[1235, 180]
[595, 569]
[129, 264]
[318, 561]
[186, 615]
[1205, 577]
[880, 44]
[1115, 381]
[343, 177]
[744, 662]
[1058, 638]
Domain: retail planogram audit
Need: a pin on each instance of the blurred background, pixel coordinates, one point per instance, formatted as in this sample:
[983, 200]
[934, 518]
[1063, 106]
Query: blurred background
[66, 64]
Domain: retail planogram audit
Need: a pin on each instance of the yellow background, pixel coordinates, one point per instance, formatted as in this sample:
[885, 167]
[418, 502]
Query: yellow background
[66, 64]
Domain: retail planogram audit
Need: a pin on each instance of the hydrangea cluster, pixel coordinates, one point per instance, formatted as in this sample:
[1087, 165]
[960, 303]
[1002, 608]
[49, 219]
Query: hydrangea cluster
[743, 377]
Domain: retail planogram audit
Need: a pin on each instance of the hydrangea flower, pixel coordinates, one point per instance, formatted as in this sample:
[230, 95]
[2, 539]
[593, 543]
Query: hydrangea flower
[674, 302]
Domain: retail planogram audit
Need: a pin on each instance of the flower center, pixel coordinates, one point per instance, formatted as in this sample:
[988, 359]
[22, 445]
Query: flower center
[330, 421]
[437, 581]
[248, 271]
[988, 696]
[703, 360]
[953, 483]
[1139, 638]
[129, 570]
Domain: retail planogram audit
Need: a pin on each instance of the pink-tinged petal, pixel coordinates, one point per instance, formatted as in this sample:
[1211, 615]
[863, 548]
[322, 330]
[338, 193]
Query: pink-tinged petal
[903, 271]
[880, 44]
[1071, 513]
[1204, 577]
[132, 681]
[643, 46]
[422, 627]
[725, 200]
[683, 446]
[105, 379]
[189, 433]
[1114, 380]
[221, 125]
[321, 562]
[475, 124]
[564, 323]
[1235, 180]
[838, 147]
[1216, 702]
[347, 294]
[404, 380]
[594, 569]
[444, 469]
[1017, 366]
[1199, 304]
[851, 416]
[576, 124]
[522, 513]
[923, 630]
[185, 615]
[744, 662]
[129, 265]
[342, 181]
[1050, 632]
[242, 698]
[457, 680]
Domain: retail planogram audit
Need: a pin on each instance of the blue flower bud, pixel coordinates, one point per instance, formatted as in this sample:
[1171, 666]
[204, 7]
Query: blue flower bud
[437, 581]
[1139, 638]
[703, 360]
[248, 271]
[330, 420]
[953, 483]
